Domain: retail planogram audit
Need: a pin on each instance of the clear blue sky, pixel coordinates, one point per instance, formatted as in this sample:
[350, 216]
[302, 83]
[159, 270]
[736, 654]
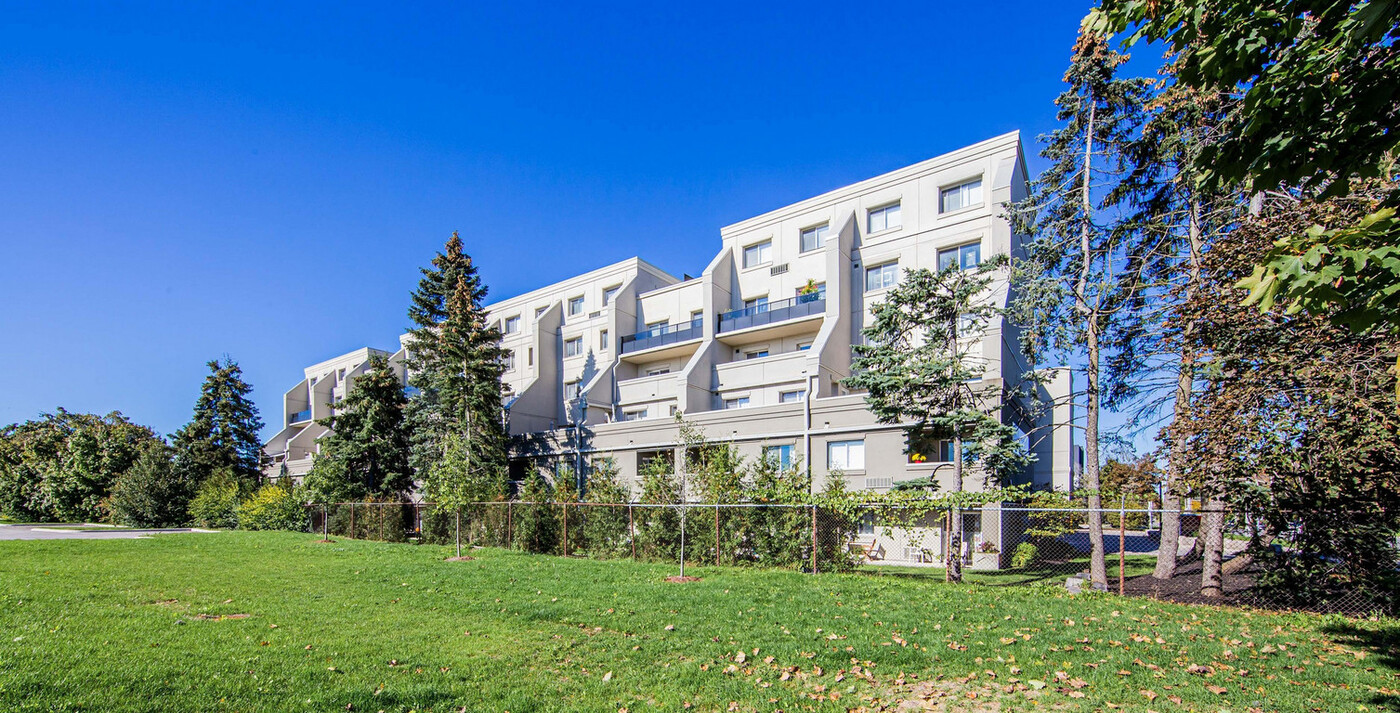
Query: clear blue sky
[262, 180]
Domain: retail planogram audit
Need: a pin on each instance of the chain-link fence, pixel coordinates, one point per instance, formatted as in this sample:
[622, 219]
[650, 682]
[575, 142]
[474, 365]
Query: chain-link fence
[1222, 557]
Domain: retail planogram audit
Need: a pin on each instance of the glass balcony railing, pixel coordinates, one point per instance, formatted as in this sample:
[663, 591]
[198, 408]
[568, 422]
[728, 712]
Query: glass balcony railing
[661, 336]
[299, 417]
[772, 312]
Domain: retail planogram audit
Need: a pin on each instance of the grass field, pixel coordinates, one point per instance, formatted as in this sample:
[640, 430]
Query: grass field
[275, 621]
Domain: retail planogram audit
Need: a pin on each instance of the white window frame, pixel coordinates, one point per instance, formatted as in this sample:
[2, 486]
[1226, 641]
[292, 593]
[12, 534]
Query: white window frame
[878, 219]
[782, 454]
[818, 235]
[969, 194]
[575, 386]
[610, 293]
[576, 306]
[791, 397]
[634, 415]
[508, 361]
[756, 354]
[889, 275]
[576, 345]
[512, 324]
[845, 456]
[956, 251]
[762, 253]
[602, 340]
[734, 402]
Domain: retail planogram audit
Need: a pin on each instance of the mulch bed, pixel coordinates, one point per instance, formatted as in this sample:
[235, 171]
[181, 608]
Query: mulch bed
[1185, 587]
[463, 558]
[682, 580]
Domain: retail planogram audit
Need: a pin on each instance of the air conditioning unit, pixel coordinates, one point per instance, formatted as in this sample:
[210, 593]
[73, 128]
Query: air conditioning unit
[778, 269]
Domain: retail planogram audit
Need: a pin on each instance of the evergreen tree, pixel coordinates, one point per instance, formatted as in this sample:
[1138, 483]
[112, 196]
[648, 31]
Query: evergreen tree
[1079, 269]
[223, 433]
[919, 365]
[455, 364]
[367, 450]
[151, 493]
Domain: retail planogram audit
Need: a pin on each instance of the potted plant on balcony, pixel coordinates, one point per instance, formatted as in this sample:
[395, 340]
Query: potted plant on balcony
[811, 288]
[986, 556]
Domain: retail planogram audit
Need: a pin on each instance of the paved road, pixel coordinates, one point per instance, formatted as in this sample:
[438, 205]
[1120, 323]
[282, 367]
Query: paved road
[42, 532]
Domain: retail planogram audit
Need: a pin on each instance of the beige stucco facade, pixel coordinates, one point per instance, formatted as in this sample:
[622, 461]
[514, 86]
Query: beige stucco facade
[755, 350]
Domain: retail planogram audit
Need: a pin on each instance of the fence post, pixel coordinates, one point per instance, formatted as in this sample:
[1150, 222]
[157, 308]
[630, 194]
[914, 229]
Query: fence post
[716, 535]
[1122, 537]
[814, 539]
[566, 529]
[457, 528]
[632, 532]
[352, 521]
[510, 508]
[325, 525]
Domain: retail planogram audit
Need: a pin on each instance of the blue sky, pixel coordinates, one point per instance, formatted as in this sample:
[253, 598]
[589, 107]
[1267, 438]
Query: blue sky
[262, 180]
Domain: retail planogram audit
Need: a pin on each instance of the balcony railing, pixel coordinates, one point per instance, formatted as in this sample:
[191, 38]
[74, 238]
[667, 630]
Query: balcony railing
[299, 417]
[758, 315]
[661, 336]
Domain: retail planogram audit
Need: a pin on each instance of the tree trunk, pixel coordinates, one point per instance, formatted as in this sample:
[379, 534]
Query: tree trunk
[1213, 537]
[1246, 558]
[1170, 541]
[953, 565]
[1098, 568]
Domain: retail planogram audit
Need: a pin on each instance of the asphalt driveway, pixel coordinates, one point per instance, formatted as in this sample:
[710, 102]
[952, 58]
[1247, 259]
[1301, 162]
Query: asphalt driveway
[56, 532]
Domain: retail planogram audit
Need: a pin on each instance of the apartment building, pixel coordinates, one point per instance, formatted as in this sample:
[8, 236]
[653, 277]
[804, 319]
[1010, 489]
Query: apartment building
[755, 350]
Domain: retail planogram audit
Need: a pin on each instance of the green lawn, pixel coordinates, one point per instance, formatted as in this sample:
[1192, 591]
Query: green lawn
[274, 621]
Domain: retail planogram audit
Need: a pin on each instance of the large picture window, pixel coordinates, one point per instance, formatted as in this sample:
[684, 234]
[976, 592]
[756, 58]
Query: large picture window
[845, 455]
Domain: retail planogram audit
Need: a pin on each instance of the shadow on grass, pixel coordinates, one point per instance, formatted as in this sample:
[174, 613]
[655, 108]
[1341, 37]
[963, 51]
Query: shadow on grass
[1382, 640]
[1048, 572]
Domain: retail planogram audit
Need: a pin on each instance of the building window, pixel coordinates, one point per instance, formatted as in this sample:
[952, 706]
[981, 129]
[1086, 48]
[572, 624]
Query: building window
[942, 453]
[512, 325]
[804, 346]
[866, 524]
[572, 389]
[634, 415]
[575, 305]
[697, 315]
[881, 276]
[779, 455]
[530, 356]
[648, 460]
[790, 397]
[610, 293]
[883, 218]
[756, 354]
[963, 195]
[658, 370]
[759, 254]
[673, 410]
[736, 402]
[814, 237]
[508, 360]
[845, 455]
[757, 305]
[573, 347]
[656, 326]
[602, 340]
[963, 257]
[539, 311]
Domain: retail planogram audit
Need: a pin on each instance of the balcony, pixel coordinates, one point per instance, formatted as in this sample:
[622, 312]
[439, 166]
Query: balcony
[647, 389]
[773, 370]
[663, 336]
[774, 312]
[299, 417]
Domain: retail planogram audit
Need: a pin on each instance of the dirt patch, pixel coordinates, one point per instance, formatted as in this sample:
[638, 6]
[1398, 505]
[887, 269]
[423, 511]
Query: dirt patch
[1185, 587]
[682, 580]
[325, 542]
[220, 617]
[463, 558]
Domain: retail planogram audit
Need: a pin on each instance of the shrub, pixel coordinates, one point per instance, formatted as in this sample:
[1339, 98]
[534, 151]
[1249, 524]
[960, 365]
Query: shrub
[536, 522]
[273, 507]
[215, 504]
[1024, 555]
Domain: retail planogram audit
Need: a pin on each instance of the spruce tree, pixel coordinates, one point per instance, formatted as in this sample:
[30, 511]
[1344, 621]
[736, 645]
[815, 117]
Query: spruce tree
[455, 364]
[366, 453]
[919, 366]
[151, 493]
[223, 433]
[1078, 270]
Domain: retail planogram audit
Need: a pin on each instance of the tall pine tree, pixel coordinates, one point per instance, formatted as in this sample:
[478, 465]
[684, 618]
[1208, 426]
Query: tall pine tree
[366, 453]
[223, 434]
[920, 366]
[1078, 271]
[455, 363]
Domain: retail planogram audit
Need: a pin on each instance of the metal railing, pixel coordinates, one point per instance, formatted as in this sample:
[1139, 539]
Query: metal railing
[299, 417]
[662, 336]
[772, 312]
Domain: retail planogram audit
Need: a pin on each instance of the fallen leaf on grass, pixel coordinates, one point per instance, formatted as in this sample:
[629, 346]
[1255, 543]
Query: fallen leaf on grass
[1149, 695]
[1217, 690]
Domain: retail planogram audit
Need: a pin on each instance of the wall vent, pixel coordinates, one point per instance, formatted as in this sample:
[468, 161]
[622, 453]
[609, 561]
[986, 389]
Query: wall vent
[879, 483]
[592, 315]
[778, 269]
